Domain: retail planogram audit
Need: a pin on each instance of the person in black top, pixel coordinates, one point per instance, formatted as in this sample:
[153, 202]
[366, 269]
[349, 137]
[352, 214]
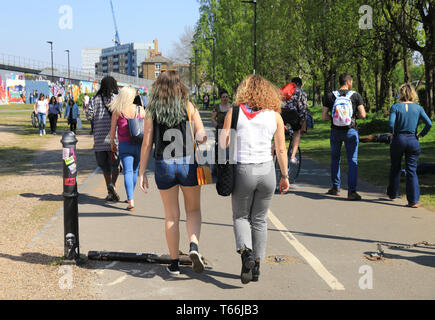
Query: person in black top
[342, 108]
[167, 128]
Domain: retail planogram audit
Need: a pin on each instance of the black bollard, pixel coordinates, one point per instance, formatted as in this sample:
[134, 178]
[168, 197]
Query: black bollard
[70, 196]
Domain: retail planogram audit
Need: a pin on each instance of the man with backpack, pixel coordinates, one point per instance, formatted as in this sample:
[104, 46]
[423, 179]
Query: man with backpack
[342, 108]
[294, 112]
[99, 113]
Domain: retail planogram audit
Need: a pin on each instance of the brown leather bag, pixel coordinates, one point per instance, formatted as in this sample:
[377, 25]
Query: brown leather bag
[203, 173]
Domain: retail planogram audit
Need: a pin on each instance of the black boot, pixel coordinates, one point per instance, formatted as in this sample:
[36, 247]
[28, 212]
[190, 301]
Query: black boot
[256, 271]
[248, 263]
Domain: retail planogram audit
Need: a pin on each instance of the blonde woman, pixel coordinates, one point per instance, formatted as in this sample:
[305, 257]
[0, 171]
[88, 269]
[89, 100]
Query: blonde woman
[167, 128]
[123, 108]
[404, 118]
[259, 121]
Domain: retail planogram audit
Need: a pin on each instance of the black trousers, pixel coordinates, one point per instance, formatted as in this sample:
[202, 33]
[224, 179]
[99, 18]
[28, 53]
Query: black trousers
[53, 122]
[73, 125]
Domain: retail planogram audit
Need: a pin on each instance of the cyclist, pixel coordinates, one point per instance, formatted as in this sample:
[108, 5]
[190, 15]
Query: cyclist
[294, 112]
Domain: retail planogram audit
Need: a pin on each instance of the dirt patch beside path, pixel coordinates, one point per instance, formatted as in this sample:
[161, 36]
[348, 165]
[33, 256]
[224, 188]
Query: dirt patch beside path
[27, 202]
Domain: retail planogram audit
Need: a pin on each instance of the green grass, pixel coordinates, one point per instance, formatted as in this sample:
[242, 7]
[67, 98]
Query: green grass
[373, 158]
[19, 150]
[12, 107]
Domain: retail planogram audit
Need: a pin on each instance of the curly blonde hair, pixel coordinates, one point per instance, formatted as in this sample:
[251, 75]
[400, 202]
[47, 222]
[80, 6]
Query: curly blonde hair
[257, 92]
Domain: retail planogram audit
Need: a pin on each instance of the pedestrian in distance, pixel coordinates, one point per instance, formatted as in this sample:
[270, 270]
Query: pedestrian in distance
[342, 108]
[294, 112]
[35, 96]
[167, 115]
[99, 113]
[53, 112]
[40, 108]
[123, 108]
[218, 118]
[259, 121]
[72, 113]
[404, 118]
[60, 101]
[205, 101]
[86, 100]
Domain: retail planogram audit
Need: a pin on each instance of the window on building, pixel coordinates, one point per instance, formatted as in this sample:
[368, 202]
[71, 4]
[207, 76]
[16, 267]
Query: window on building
[157, 73]
[158, 66]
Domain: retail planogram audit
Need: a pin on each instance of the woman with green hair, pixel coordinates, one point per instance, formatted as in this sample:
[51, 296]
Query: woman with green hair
[167, 127]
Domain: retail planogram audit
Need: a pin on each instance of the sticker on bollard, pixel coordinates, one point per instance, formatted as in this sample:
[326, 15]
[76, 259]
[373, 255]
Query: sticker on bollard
[70, 181]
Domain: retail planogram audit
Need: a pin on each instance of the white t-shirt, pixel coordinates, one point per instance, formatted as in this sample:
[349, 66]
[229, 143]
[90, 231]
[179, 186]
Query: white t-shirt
[86, 99]
[41, 106]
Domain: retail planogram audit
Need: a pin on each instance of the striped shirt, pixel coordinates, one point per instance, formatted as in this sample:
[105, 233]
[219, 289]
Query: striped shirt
[98, 113]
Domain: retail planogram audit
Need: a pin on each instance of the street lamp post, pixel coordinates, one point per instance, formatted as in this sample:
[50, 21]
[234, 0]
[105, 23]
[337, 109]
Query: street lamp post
[214, 41]
[254, 2]
[69, 74]
[52, 67]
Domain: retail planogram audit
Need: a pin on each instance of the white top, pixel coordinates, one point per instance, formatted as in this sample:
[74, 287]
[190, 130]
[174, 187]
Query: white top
[86, 99]
[41, 106]
[254, 137]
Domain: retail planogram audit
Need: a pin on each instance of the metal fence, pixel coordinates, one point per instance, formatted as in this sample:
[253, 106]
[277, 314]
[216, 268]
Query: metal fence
[61, 71]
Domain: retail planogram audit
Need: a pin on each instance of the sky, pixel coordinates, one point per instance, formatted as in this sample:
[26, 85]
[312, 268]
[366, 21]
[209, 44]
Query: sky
[27, 25]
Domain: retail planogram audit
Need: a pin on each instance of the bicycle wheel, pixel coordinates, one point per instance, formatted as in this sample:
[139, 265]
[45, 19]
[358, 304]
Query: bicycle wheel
[293, 169]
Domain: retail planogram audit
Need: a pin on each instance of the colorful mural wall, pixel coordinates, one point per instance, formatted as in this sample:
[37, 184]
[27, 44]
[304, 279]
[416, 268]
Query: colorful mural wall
[3, 97]
[12, 87]
[16, 91]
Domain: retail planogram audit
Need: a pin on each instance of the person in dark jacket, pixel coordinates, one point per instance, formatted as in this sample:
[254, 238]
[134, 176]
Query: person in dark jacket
[53, 111]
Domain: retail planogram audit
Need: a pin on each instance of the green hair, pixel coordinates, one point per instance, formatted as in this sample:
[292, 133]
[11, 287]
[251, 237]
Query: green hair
[168, 100]
[169, 113]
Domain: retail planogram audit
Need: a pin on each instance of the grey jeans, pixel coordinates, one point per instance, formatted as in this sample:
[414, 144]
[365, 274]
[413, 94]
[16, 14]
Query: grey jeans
[251, 197]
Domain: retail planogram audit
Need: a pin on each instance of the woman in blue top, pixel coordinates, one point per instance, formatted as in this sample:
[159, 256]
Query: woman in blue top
[72, 113]
[404, 118]
[53, 111]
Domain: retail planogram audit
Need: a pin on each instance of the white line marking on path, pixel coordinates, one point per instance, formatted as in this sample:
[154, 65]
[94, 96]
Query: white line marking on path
[332, 282]
[117, 281]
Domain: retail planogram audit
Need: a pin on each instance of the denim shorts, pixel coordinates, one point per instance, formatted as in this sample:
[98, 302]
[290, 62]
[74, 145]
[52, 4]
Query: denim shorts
[169, 173]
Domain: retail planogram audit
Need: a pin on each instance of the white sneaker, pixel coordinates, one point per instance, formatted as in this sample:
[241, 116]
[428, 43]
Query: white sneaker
[294, 161]
[43, 131]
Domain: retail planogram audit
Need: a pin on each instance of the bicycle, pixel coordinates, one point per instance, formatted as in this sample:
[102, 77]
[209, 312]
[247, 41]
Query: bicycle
[34, 118]
[293, 168]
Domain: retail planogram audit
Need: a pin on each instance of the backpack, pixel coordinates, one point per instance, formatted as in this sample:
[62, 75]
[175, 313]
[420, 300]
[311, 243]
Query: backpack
[288, 90]
[342, 110]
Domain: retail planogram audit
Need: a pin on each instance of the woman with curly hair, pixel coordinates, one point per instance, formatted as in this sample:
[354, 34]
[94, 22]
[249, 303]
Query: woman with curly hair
[167, 128]
[259, 121]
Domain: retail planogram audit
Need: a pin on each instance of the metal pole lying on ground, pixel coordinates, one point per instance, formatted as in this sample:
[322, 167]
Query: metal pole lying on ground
[136, 257]
[70, 195]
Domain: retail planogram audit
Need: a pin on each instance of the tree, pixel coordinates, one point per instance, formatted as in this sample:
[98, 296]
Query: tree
[417, 34]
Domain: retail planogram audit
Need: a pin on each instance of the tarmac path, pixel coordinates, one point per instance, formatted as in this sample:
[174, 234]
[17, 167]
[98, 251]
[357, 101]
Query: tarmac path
[317, 244]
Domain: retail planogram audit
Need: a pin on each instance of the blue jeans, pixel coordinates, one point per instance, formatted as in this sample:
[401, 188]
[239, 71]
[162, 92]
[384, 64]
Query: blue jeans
[169, 173]
[42, 119]
[351, 141]
[129, 153]
[408, 145]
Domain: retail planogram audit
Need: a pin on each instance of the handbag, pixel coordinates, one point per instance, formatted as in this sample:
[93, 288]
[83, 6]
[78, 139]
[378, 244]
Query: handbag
[203, 173]
[136, 128]
[225, 172]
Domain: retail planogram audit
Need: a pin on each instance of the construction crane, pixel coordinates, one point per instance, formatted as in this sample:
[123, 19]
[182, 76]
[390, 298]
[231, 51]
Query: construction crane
[116, 40]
